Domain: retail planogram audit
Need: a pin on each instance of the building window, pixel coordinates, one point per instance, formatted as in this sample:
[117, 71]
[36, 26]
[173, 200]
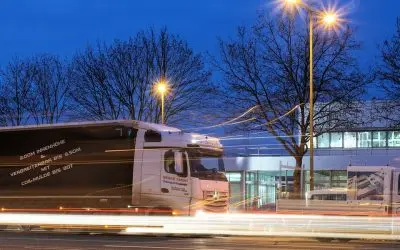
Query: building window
[350, 140]
[364, 139]
[314, 142]
[323, 141]
[379, 139]
[394, 139]
[234, 177]
[336, 140]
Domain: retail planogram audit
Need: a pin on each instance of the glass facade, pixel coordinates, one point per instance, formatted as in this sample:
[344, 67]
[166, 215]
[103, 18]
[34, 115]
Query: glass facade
[379, 139]
[337, 140]
[394, 139]
[350, 140]
[235, 189]
[362, 139]
[323, 141]
[259, 189]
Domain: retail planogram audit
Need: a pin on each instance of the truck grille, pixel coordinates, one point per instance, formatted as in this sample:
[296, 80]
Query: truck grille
[216, 202]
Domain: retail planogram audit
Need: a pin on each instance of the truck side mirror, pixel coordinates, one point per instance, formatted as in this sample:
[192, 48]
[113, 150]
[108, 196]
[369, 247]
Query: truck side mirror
[178, 163]
[180, 166]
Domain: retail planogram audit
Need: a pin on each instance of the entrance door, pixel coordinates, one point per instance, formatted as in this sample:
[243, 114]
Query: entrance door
[175, 185]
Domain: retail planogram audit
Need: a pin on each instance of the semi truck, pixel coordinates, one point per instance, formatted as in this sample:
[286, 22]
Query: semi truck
[121, 166]
[371, 190]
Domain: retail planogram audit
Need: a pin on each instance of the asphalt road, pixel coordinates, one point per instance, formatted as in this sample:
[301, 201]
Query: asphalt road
[50, 241]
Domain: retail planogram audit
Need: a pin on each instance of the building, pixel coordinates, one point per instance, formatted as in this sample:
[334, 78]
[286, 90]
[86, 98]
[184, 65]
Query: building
[260, 170]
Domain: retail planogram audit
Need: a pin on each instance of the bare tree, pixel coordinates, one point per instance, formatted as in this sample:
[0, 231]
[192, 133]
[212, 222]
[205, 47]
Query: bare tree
[90, 85]
[49, 97]
[117, 81]
[15, 92]
[3, 107]
[388, 72]
[185, 70]
[267, 66]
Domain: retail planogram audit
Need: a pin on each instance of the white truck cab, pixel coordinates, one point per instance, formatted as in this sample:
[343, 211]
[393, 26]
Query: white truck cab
[181, 171]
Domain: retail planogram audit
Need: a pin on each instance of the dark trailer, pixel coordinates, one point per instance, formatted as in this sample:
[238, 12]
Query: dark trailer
[67, 166]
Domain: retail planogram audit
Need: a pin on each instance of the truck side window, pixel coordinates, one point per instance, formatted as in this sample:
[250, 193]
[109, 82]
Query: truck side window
[169, 162]
[181, 168]
[175, 163]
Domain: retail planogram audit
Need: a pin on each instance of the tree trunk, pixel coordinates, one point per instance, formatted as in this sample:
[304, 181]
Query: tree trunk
[297, 178]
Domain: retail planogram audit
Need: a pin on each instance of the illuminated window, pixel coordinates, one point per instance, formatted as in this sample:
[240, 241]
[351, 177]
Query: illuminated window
[350, 140]
[364, 139]
[315, 143]
[234, 177]
[379, 139]
[323, 141]
[336, 140]
[394, 139]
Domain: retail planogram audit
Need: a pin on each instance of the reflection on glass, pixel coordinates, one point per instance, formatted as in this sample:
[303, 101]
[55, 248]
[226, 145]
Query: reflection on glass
[350, 140]
[234, 177]
[323, 141]
[336, 140]
[394, 139]
[364, 139]
[379, 139]
[206, 164]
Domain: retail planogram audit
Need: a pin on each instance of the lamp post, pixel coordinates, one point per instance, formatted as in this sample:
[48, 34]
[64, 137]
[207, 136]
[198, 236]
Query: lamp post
[162, 88]
[328, 19]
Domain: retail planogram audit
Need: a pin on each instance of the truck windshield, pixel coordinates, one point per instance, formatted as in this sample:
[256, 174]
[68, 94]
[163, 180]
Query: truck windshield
[206, 164]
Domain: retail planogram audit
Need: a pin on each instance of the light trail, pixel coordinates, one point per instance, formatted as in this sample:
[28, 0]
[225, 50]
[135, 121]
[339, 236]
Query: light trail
[230, 122]
[387, 228]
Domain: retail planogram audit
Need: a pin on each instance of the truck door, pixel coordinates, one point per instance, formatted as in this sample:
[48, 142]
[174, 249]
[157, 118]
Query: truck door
[175, 185]
[396, 193]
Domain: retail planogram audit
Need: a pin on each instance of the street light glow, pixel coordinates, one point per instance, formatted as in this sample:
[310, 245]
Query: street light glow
[161, 87]
[292, 2]
[288, 5]
[329, 19]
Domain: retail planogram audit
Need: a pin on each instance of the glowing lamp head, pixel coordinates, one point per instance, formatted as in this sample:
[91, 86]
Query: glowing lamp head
[161, 87]
[292, 2]
[329, 19]
[289, 5]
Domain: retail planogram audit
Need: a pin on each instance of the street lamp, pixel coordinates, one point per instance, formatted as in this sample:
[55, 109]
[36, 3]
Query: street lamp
[161, 88]
[328, 19]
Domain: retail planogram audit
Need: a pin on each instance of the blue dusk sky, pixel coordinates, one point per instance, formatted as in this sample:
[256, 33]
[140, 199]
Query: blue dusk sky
[63, 26]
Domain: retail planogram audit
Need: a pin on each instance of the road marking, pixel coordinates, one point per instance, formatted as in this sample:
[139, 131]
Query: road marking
[73, 240]
[148, 247]
[40, 247]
